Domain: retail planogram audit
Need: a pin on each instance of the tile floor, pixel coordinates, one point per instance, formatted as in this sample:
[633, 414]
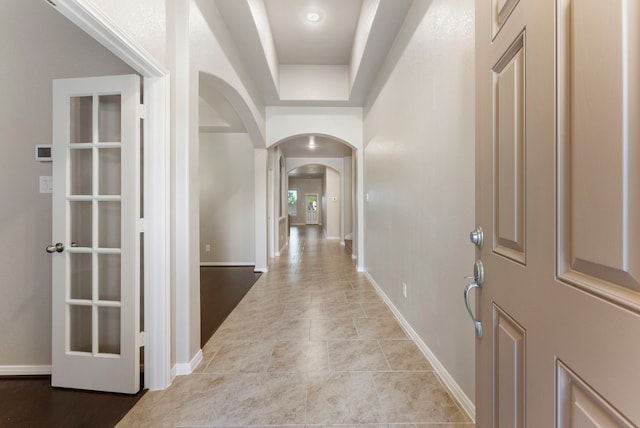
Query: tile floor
[311, 344]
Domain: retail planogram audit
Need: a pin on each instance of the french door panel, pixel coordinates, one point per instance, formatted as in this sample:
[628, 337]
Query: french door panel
[96, 207]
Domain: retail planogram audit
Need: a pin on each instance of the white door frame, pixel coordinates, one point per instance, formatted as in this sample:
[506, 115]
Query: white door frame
[157, 261]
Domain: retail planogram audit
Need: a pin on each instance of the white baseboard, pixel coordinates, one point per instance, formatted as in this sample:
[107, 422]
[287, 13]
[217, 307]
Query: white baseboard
[332, 238]
[458, 394]
[24, 370]
[229, 264]
[188, 368]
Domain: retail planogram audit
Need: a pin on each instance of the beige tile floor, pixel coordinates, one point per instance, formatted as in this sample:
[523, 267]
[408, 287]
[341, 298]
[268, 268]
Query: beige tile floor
[311, 344]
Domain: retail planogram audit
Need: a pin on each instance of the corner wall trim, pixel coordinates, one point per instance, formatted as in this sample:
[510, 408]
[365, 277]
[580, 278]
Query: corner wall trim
[457, 392]
[24, 370]
[188, 368]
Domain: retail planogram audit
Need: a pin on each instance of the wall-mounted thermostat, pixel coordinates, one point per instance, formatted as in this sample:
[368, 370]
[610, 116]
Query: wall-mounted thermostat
[43, 152]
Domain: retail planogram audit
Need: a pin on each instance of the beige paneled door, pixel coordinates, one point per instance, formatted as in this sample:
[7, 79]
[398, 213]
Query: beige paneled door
[96, 241]
[558, 197]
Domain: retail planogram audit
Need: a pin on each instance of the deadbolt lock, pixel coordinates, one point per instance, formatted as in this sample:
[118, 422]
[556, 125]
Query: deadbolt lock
[477, 237]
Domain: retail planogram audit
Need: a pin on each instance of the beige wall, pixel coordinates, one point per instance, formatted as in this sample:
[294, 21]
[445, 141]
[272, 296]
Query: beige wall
[227, 199]
[419, 177]
[31, 59]
[331, 201]
[347, 196]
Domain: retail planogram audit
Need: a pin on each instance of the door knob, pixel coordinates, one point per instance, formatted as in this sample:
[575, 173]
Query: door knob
[477, 237]
[55, 248]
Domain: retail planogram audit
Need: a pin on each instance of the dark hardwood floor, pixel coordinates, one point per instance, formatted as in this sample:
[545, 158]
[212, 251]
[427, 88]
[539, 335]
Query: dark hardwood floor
[221, 289]
[31, 402]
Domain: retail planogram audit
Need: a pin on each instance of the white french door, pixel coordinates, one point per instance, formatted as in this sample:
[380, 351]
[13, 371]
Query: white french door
[96, 241]
[558, 197]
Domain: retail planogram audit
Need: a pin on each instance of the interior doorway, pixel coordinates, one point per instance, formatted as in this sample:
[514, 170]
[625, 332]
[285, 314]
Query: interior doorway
[311, 202]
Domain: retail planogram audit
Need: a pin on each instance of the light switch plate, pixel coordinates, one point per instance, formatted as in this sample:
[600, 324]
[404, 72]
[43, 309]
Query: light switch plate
[46, 184]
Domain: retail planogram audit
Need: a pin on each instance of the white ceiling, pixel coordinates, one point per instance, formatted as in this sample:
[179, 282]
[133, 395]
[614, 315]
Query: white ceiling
[276, 41]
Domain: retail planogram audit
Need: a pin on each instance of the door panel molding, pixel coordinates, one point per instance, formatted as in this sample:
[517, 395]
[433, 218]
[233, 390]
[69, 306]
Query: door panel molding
[509, 347]
[509, 152]
[579, 405]
[598, 182]
[502, 10]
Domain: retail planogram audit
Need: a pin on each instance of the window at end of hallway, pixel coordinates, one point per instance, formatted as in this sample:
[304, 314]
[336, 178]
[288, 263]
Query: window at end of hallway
[293, 202]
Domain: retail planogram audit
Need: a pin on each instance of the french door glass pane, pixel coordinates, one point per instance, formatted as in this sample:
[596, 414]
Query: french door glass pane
[109, 175]
[81, 222]
[109, 224]
[109, 330]
[81, 123]
[80, 276]
[81, 171]
[109, 277]
[80, 328]
[109, 118]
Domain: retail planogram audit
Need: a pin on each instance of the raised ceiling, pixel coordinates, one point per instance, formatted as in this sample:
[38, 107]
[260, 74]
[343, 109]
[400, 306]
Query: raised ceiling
[331, 62]
[299, 41]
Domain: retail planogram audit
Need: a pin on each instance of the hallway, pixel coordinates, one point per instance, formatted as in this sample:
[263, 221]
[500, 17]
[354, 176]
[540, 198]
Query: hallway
[310, 344]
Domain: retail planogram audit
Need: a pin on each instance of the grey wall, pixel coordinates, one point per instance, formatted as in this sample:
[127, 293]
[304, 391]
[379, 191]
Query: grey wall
[227, 198]
[38, 45]
[419, 177]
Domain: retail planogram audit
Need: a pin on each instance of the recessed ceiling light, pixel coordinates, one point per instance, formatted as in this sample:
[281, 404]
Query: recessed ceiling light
[313, 16]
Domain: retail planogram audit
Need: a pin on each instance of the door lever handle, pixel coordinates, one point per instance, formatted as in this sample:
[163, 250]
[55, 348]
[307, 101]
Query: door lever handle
[476, 323]
[55, 248]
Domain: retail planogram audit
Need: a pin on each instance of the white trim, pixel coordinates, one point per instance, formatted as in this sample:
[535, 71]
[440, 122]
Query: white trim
[228, 264]
[261, 270]
[24, 370]
[188, 368]
[453, 387]
[100, 27]
[157, 181]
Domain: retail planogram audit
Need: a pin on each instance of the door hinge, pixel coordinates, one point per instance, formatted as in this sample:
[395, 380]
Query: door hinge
[140, 225]
[141, 111]
[142, 339]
